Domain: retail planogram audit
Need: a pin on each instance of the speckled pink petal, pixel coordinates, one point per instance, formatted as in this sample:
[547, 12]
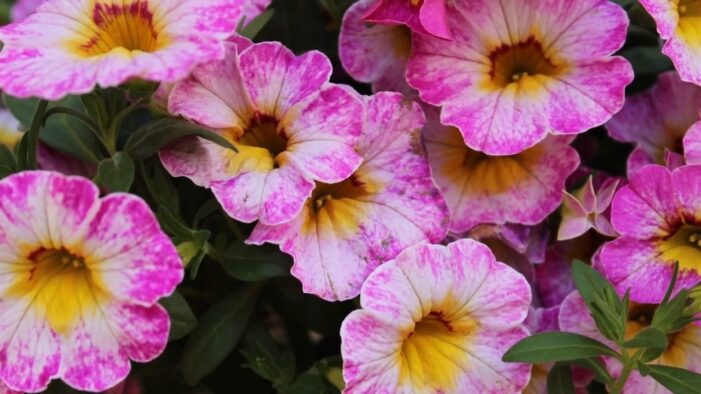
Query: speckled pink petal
[23, 8]
[124, 241]
[196, 29]
[500, 121]
[285, 80]
[645, 207]
[252, 8]
[29, 350]
[484, 192]
[687, 187]
[686, 58]
[374, 54]
[44, 208]
[692, 144]
[142, 332]
[403, 207]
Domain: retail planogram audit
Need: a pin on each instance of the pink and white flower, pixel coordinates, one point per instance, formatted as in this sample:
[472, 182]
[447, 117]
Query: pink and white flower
[658, 215]
[587, 209]
[482, 189]
[437, 319]
[81, 277]
[23, 8]
[290, 125]
[374, 54]
[518, 70]
[656, 121]
[421, 16]
[347, 229]
[70, 47]
[678, 23]
[684, 350]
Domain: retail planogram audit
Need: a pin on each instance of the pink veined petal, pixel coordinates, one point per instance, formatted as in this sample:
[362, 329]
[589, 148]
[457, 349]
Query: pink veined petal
[692, 144]
[687, 188]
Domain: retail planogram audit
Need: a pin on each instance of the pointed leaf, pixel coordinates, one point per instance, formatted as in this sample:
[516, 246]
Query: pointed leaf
[254, 263]
[556, 346]
[116, 173]
[560, 379]
[182, 320]
[677, 380]
[648, 337]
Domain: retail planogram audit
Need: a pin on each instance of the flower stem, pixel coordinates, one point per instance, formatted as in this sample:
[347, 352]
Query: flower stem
[33, 134]
[619, 384]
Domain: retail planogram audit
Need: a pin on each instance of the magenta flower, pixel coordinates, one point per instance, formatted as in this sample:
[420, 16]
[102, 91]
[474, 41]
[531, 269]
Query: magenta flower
[481, 189]
[437, 319]
[588, 209]
[519, 70]
[657, 215]
[656, 121]
[347, 229]
[683, 351]
[81, 277]
[290, 126]
[374, 54]
[69, 47]
[692, 144]
[421, 16]
[678, 23]
[23, 8]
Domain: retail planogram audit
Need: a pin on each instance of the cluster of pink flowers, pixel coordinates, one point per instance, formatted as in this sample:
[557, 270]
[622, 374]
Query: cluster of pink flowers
[429, 199]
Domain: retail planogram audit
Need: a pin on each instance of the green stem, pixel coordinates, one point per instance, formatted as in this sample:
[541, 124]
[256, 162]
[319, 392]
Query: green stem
[92, 125]
[116, 123]
[33, 134]
[617, 386]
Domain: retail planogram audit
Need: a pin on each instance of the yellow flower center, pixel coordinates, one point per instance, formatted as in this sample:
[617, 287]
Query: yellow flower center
[259, 147]
[690, 21]
[59, 285]
[683, 246]
[521, 64]
[640, 317]
[340, 205]
[127, 27]
[435, 353]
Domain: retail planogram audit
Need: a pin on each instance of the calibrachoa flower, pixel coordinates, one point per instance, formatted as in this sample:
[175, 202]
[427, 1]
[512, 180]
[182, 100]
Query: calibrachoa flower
[656, 122]
[588, 208]
[422, 16]
[80, 279]
[684, 350]
[517, 70]
[437, 319]
[657, 215]
[290, 126]
[482, 189]
[678, 23]
[70, 46]
[10, 133]
[374, 54]
[347, 229]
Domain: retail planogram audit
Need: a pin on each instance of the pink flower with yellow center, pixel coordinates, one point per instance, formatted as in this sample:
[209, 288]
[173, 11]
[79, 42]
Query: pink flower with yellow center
[346, 229]
[517, 70]
[290, 125]
[69, 46]
[437, 319]
[374, 54]
[81, 277]
[679, 22]
[421, 16]
[658, 215]
[656, 121]
[684, 350]
[482, 189]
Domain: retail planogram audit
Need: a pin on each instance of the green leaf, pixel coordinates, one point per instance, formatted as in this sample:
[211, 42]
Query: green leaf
[556, 346]
[268, 359]
[182, 320]
[588, 281]
[647, 60]
[677, 380]
[148, 139]
[160, 184]
[252, 29]
[254, 263]
[321, 378]
[217, 334]
[116, 173]
[62, 132]
[671, 317]
[8, 165]
[648, 337]
[560, 379]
